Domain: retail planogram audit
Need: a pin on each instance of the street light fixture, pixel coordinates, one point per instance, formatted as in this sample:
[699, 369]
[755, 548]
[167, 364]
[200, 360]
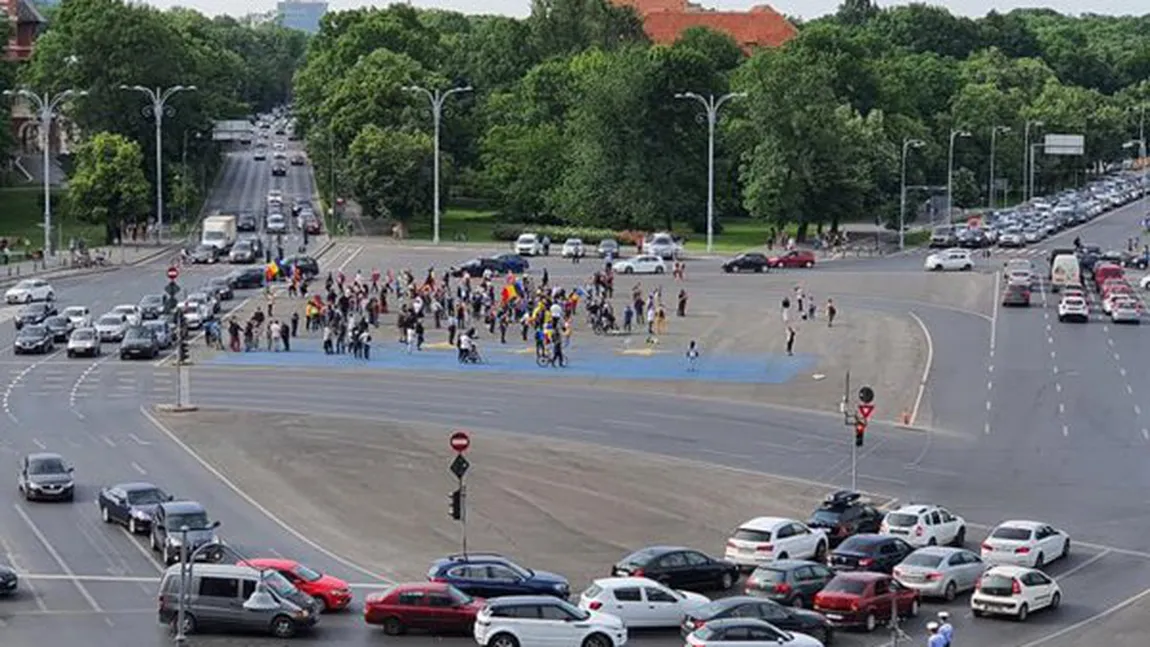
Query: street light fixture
[46, 106]
[907, 144]
[185, 578]
[1027, 163]
[711, 106]
[990, 187]
[158, 108]
[436, 97]
[954, 134]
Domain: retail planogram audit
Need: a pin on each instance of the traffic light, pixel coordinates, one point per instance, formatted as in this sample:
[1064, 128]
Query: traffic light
[457, 504]
[860, 431]
[182, 351]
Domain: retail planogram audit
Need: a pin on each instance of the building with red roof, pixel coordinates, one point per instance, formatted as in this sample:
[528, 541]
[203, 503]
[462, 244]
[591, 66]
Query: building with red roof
[665, 20]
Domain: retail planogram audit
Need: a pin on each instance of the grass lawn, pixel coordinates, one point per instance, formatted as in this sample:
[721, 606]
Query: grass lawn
[454, 224]
[22, 217]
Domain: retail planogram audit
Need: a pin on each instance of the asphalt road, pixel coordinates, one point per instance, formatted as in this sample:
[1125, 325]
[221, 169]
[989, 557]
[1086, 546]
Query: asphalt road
[1005, 451]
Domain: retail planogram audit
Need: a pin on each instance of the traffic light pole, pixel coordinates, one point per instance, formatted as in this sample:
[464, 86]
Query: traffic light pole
[849, 421]
[463, 516]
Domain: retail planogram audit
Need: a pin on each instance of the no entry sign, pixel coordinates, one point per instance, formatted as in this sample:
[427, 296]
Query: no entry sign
[460, 441]
[173, 273]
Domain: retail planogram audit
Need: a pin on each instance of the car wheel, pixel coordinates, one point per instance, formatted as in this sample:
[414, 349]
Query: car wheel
[152, 541]
[824, 635]
[597, 640]
[821, 553]
[932, 542]
[320, 603]
[658, 270]
[1055, 601]
[133, 526]
[28, 298]
[937, 268]
[796, 602]
[759, 269]
[503, 640]
[960, 538]
[809, 264]
[282, 627]
[912, 612]
[726, 581]
[1040, 561]
[728, 270]
[392, 626]
[968, 267]
[167, 555]
[189, 623]
[870, 624]
[51, 296]
[977, 613]
[1023, 613]
[628, 270]
[950, 592]
[104, 514]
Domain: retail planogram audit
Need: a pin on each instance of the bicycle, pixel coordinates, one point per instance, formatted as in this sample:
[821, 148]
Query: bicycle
[550, 359]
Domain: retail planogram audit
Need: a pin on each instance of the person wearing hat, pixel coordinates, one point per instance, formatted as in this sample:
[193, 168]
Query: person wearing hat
[945, 629]
[936, 639]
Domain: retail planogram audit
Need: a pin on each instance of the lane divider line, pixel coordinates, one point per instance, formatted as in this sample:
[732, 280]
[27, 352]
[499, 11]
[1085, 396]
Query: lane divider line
[926, 369]
[58, 559]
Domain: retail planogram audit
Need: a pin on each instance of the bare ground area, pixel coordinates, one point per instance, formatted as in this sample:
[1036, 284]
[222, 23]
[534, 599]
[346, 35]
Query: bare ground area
[381, 499]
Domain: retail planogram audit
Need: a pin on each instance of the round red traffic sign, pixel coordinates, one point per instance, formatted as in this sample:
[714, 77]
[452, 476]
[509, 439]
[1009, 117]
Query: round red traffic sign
[173, 273]
[460, 441]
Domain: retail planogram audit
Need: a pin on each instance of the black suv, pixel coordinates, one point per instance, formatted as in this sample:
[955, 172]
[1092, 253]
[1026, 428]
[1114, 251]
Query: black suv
[169, 521]
[843, 514]
[139, 342]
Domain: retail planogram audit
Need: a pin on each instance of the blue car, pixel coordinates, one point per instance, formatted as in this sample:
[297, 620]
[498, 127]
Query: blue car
[513, 263]
[488, 575]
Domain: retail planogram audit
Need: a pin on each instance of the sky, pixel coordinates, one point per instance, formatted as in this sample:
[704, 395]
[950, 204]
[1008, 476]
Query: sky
[802, 9]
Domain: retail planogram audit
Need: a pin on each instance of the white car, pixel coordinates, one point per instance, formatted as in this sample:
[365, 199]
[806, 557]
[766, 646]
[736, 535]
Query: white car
[640, 602]
[545, 621]
[30, 290]
[1144, 282]
[765, 539]
[84, 342]
[528, 245]
[1014, 591]
[1025, 543]
[194, 314]
[1114, 297]
[79, 316]
[276, 223]
[950, 259]
[111, 327]
[1073, 308]
[1010, 238]
[1125, 311]
[276, 195]
[925, 525]
[645, 264]
[131, 313]
[573, 248]
[746, 632]
[1020, 276]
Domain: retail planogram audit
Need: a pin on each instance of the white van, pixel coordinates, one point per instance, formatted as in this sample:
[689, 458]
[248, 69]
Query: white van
[1065, 272]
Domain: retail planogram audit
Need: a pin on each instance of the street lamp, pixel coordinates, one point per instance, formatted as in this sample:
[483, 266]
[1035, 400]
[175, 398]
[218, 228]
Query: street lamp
[1027, 171]
[186, 576]
[711, 107]
[990, 187]
[907, 144]
[1140, 143]
[159, 98]
[46, 106]
[436, 97]
[954, 134]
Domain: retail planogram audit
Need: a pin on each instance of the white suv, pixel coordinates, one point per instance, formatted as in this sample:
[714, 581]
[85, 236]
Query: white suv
[925, 525]
[528, 245]
[530, 620]
[950, 259]
[764, 539]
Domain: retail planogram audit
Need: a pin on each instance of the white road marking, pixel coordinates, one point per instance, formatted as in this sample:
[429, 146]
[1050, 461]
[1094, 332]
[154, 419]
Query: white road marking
[145, 551]
[1065, 430]
[1137, 410]
[1145, 433]
[1050, 340]
[137, 440]
[1056, 369]
[1105, 328]
[108, 441]
[994, 313]
[56, 556]
[1117, 358]
[136, 466]
[251, 501]
[1061, 407]
[628, 423]
[1129, 390]
[11, 559]
[1052, 355]
[36, 442]
[930, 362]
[990, 368]
[1082, 623]
[350, 257]
[1122, 371]
[1110, 342]
[1058, 386]
[1083, 565]
[989, 385]
[986, 428]
[988, 405]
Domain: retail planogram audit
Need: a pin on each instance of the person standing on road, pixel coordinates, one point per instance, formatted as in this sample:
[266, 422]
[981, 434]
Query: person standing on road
[936, 639]
[682, 309]
[831, 312]
[786, 310]
[790, 340]
[285, 335]
[945, 629]
[692, 357]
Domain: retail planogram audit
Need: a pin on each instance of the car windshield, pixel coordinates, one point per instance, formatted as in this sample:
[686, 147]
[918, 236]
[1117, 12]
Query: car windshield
[84, 334]
[1010, 533]
[858, 544]
[125, 309]
[278, 584]
[57, 321]
[242, 246]
[306, 574]
[996, 585]
[213, 235]
[846, 585]
[926, 560]
[47, 466]
[901, 520]
[826, 516]
[763, 574]
[33, 332]
[152, 299]
[459, 596]
[193, 520]
[146, 497]
[137, 334]
[111, 320]
[25, 285]
[526, 238]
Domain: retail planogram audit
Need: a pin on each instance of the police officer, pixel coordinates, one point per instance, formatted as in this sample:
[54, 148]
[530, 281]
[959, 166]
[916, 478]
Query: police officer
[936, 639]
[945, 629]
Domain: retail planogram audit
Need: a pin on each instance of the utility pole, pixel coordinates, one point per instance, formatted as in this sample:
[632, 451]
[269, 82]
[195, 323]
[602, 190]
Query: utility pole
[436, 98]
[907, 144]
[1033, 154]
[954, 134]
[1026, 185]
[994, 130]
[711, 106]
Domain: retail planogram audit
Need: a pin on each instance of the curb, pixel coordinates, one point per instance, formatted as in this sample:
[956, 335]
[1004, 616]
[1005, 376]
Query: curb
[176, 408]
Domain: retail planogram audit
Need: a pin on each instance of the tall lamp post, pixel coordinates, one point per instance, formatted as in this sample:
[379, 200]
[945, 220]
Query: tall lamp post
[954, 134]
[185, 578]
[46, 106]
[436, 97]
[1026, 172]
[993, 140]
[907, 144]
[159, 107]
[711, 106]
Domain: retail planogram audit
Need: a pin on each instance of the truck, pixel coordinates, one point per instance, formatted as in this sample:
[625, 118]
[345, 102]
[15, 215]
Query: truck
[219, 231]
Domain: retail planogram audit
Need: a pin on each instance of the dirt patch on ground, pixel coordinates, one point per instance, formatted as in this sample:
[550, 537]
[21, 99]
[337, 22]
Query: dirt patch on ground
[382, 497]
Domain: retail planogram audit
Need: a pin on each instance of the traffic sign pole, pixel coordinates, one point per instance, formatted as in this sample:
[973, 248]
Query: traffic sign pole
[460, 442]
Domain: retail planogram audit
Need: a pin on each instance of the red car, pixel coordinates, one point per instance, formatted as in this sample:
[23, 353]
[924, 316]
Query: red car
[864, 600]
[333, 592]
[793, 258]
[434, 606]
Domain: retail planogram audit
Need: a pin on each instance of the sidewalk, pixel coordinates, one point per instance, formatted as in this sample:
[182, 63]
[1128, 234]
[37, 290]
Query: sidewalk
[60, 265]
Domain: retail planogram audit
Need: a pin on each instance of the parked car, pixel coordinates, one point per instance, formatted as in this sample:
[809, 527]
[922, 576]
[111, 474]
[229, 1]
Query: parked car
[662, 245]
[845, 513]
[431, 606]
[869, 552]
[573, 248]
[640, 601]
[743, 606]
[490, 575]
[940, 571]
[1025, 543]
[1014, 591]
[790, 582]
[678, 568]
[925, 525]
[864, 600]
[531, 620]
[608, 247]
[747, 632]
[764, 539]
[528, 245]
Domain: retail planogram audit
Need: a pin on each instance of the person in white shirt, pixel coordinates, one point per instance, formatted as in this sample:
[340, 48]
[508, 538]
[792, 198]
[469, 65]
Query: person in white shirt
[465, 345]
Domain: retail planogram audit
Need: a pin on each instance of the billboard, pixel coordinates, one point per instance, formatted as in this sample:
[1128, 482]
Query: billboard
[1064, 145]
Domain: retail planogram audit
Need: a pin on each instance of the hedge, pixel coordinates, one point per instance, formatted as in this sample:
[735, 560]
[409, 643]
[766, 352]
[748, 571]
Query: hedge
[559, 233]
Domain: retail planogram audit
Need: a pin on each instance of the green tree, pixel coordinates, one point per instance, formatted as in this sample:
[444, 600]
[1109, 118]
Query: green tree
[392, 172]
[108, 185]
[566, 27]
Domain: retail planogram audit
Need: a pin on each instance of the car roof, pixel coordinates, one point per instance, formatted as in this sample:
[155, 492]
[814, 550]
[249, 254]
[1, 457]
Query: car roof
[509, 600]
[941, 551]
[475, 558]
[42, 456]
[786, 564]
[724, 623]
[270, 562]
[208, 568]
[616, 582]
[1021, 523]
[134, 486]
[1009, 571]
[655, 551]
[183, 506]
[870, 539]
[765, 523]
[915, 508]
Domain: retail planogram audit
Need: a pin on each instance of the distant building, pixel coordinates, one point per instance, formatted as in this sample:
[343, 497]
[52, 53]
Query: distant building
[304, 16]
[664, 20]
[24, 26]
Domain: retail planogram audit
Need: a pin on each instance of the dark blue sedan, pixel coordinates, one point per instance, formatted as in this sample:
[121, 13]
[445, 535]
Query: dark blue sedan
[489, 575]
[513, 263]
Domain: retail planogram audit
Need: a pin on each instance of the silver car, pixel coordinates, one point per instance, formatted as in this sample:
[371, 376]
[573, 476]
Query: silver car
[940, 571]
[111, 327]
[162, 331]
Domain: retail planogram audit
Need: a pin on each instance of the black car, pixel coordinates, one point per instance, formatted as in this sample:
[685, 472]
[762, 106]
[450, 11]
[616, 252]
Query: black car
[869, 552]
[790, 582]
[678, 568]
[131, 504]
[46, 476]
[279, 170]
[247, 222]
[844, 513]
[503, 264]
[33, 340]
[247, 279]
[308, 266]
[744, 606]
[34, 313]
[513, 263]
[8, 580]
[139, 342]
[749, 262]
[152, 306]
[204, 254]
[168, 524]
[59, 327]
[749, 631]
[220, 287]
[312, 225]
